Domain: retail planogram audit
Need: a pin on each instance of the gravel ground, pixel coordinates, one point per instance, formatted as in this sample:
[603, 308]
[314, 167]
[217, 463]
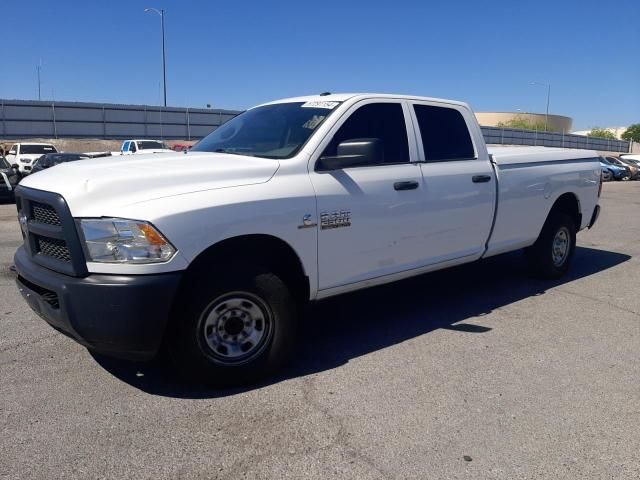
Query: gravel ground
[477, 372]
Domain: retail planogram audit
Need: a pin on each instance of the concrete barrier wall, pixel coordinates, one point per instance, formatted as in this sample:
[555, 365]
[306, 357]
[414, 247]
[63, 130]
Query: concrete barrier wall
[21, 119]
[29, 119]
[512, 136]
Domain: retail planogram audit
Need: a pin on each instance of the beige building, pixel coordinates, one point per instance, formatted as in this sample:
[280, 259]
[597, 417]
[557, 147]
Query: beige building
[557, 123]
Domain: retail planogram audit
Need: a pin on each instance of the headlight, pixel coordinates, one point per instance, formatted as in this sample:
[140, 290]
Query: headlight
[116, 240]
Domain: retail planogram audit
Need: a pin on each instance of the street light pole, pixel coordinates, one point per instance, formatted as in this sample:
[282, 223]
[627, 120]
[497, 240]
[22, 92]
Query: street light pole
[39, 69]
[546, 115]
[164, 58]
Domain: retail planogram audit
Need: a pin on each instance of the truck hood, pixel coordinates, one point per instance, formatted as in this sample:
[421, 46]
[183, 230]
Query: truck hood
[110, 182]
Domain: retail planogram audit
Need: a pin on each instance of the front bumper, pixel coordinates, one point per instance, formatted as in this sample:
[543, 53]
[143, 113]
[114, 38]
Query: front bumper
[594, 216]
[5, 193]
[118, 315]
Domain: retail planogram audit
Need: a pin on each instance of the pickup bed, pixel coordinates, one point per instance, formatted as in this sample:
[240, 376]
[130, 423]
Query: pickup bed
[213, 253]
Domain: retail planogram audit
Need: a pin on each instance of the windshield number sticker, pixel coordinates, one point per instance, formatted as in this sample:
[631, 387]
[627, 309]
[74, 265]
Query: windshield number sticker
[320, 104]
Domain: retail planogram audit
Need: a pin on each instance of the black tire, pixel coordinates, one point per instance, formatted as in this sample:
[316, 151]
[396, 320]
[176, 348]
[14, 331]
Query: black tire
[544, 260]
[197, 348]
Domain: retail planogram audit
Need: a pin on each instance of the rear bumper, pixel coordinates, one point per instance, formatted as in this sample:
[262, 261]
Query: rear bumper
[118, 315]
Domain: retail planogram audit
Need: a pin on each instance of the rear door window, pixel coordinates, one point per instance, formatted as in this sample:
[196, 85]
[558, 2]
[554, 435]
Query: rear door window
[445, 135]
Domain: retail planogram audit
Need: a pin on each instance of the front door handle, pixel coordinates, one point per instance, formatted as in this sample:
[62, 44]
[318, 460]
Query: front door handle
[405, 185]
[481, 178]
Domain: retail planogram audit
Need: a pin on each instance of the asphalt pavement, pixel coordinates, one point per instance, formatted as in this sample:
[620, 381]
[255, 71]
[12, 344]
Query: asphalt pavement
[479, 372]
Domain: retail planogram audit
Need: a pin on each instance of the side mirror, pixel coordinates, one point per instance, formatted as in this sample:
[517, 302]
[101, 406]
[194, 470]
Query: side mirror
[15, 166]
[357, 152]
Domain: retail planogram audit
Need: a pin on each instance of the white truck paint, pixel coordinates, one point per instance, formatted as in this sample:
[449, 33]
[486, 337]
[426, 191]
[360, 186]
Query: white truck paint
[350, 226]
[139, 147]
[24, 154]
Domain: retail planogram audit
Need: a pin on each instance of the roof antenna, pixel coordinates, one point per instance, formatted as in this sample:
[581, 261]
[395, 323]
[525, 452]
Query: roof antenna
[324, 94]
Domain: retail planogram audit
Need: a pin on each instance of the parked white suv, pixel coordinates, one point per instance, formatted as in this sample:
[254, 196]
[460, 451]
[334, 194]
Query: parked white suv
[25, 154]
[214, 252]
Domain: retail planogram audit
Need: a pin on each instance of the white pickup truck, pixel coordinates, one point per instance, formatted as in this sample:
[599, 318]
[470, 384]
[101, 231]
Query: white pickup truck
[212, 253]
[138, 147]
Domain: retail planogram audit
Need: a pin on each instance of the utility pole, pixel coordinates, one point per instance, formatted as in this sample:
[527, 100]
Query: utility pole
[164, 58]
[38, 68]
[546, 115]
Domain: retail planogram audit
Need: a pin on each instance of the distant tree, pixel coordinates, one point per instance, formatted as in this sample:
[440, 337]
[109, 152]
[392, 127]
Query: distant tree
[523, 123]
[602, 133]
[632, 133]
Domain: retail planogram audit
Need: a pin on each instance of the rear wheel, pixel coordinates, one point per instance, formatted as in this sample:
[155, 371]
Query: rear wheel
[551, 255]
[235, 330]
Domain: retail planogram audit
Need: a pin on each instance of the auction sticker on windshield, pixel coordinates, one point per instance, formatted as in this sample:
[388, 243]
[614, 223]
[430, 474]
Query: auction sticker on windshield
[320, 104]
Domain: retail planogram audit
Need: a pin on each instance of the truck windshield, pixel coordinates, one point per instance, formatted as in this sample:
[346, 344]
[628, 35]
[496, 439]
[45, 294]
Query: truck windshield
[151, 145]
[272, 131]
[4, 163]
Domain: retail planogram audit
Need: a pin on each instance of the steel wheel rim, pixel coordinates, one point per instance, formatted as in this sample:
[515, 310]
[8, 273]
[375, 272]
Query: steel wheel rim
[560, 246]
[235, 328]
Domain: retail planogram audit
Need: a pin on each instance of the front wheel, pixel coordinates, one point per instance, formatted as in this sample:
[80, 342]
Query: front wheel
[235, 330]
[551, 255]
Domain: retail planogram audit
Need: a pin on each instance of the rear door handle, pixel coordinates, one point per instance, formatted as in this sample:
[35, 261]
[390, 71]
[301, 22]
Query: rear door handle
[405, 185]
[481, 178]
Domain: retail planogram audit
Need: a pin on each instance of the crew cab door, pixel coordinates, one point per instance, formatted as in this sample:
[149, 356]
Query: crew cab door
[459, 181]
[369, 216]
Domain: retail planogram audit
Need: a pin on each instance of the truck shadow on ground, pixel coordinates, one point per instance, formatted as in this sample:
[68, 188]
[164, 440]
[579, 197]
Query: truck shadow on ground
[346, 327]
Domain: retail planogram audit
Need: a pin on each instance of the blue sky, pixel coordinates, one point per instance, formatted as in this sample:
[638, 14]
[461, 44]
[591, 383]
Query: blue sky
[234, 54]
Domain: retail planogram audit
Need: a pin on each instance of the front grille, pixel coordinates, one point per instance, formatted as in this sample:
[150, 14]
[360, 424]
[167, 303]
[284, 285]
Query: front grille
[46, 214]
[50, 235]
[53, 247]
[47, 295]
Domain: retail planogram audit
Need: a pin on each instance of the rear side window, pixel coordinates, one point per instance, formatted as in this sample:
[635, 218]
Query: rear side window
[445, 135]
[376, 120]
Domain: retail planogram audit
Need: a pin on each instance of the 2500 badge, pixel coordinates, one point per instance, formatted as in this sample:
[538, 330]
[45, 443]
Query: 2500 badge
[337, 219]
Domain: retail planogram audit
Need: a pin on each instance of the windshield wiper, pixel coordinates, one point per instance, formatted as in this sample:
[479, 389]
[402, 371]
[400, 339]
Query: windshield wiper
[224, 150]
